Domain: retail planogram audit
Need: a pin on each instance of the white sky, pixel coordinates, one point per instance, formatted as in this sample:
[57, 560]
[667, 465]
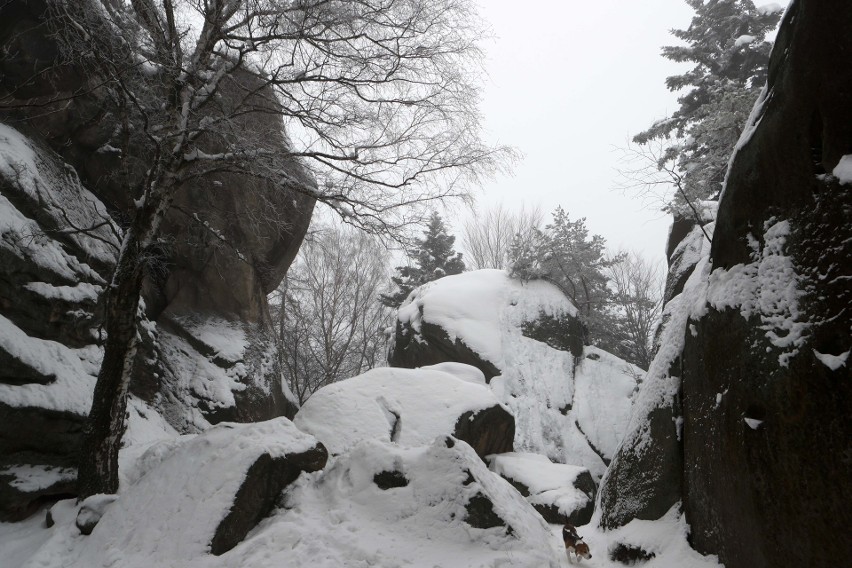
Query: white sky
[569, 82]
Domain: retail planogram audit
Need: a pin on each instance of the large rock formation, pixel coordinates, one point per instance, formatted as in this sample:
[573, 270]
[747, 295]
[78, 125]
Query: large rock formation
[767, 394]
[754, 367]
[570, 403]
[69, 167]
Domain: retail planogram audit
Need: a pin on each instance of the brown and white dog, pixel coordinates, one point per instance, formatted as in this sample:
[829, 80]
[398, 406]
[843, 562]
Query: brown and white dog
[574, 543]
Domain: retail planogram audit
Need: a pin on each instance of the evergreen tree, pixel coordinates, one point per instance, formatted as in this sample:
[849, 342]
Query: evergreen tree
[433, 257]
[566, 255]
[726, 41]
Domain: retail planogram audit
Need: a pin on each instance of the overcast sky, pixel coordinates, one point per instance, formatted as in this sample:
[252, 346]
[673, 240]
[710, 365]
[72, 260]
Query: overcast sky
[570, 81]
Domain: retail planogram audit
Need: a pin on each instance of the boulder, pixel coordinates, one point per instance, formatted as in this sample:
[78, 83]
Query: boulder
[442, 498]
[560, 493]
[569, 402]
[766, 384]
[645, 478]
[488, 431]
[264, 481]
[408, 407]
[205, 493]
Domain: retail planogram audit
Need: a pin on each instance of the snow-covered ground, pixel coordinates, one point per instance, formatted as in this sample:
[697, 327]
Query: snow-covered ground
[176, 489]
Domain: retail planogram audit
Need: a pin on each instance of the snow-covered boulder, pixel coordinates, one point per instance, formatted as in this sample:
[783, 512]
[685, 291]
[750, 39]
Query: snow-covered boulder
[195, 496]
[409, 407]
[570, 404]
[378, 504]
[447, 509]
[560, 493]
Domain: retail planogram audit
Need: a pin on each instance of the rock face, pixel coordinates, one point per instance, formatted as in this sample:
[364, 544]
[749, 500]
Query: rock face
[68, 169]
[767, 394]
[744, 417]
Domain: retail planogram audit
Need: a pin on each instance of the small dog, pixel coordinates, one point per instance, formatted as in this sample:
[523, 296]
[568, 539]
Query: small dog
[574, 543]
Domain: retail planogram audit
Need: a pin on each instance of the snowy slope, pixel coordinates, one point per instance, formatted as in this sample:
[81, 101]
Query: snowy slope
[335, 518]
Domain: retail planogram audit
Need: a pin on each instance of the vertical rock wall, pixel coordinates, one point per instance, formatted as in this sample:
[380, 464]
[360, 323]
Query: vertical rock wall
[756, 389]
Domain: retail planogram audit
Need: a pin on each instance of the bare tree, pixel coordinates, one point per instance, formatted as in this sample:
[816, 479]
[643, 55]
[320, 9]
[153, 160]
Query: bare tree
[650, 173]
[330, 323]
[488, 235]
[377, 98]
[637, 286]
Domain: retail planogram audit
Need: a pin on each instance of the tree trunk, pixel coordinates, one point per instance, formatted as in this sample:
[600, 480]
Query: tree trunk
[98, 470]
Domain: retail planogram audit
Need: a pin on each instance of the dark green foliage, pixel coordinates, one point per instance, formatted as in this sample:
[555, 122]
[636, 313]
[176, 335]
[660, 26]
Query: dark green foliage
[566, 255]
[433, 257]
[726, 41]
[560, 332]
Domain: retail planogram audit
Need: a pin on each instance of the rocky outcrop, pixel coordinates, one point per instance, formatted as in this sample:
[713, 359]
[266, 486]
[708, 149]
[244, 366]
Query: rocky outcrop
[488, 431]
[69, 166]
[570, 403]
[767, 393]
[744, 415]
[432, 345]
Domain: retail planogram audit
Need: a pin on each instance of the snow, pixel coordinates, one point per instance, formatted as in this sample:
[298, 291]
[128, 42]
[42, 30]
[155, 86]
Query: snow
[666, 538]
[31, 478]
[336, 518]
[604, 387]
[75, 370]
[461, 371]
[79, 293]
[407, 406]
[560, 404]
[41, 179]
[194, 377]
[772, 8]
[833, 362]
[843, 170]
[18, 541]
[535, 471]
[341, 519]
[226, 338]
[168, 516]
[768, 288]
[476, 306]
[548, 483]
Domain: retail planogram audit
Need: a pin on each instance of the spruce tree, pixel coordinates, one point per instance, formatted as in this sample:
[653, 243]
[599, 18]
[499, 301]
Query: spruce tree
[433, 258]
[726, 41]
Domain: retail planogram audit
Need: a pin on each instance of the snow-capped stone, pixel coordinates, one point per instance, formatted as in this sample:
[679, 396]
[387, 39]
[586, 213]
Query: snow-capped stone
[409, 407]
[560, 493]
[526, 338]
